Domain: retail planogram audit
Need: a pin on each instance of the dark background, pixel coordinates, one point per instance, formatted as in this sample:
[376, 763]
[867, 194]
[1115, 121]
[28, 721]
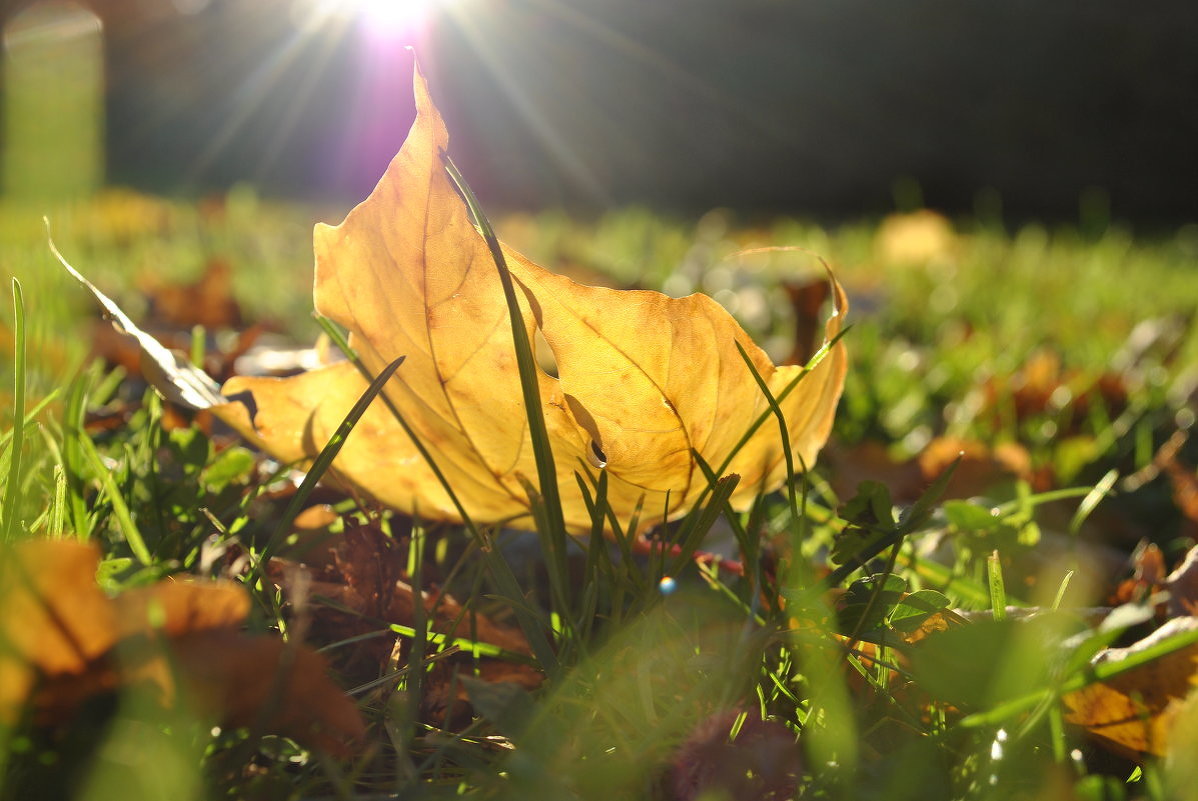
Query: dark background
[807, 106]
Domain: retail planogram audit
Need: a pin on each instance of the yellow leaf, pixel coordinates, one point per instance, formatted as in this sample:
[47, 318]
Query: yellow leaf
[916, 238]
[643, 379]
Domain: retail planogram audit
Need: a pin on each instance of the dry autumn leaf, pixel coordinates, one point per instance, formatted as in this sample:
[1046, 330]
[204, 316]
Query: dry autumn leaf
[1132, 713]
[54, 620]
[980, 467]
[643, 380]
[915, 238]
[360, 586]
[63, 640]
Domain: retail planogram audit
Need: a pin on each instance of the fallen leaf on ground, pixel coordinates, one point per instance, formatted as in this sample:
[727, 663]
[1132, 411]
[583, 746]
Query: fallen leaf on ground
[1182, 585]
[764, 761]
[168, 371]
[65, 641]
[1044, 386]
[263, 681]
[981, 468]
[357, 587]
[1182, 478]
[915, 238]
[1147, 578]
[644, 380]
[55, 619]
[806, 299]
[1132, 713]
[207, 301]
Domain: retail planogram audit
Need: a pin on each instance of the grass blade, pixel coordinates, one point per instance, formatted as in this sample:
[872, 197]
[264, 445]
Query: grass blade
[998, 592]
[8, 529]
[1092, 499]
[32, 414]
[120, 509]
[783, 432]
[72, 453]
[721, 491]
[759, 421]
[320, 466]
[531, 622]
[525, 361]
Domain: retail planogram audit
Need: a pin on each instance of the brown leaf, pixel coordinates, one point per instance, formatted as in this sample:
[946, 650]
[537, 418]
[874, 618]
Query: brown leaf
[265, 683]
[363, 578]
[172, 608]
[1182, 478]
[55, 615]
[54, 619]
[208, 301]
[980, 469]
[1147, 578]
[871, 460]
[1182, 585]
[934, 624]
[65, 641]
[806, 300]
[763, 762]
[1132, 713]
[643, 379]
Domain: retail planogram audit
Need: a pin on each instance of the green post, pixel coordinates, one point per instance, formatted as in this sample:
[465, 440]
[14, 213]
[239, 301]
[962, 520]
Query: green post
[53, 79]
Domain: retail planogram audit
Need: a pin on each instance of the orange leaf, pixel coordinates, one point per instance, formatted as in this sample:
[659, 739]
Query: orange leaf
[1132, 713]
[643, 379]
[54, 618]
[361, 585]
[173, 608]
[262, 682]
[63, 640]
[55, 615]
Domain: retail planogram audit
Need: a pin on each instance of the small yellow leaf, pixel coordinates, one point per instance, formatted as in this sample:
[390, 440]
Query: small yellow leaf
[643, 380]
[915, 238]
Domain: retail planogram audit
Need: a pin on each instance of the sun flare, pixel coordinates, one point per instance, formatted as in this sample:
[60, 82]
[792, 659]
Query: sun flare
[383, 17]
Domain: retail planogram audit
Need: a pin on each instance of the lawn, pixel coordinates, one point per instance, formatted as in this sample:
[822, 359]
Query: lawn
[1007, 485]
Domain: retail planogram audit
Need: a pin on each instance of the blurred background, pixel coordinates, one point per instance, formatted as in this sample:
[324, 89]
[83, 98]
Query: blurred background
[826, 108]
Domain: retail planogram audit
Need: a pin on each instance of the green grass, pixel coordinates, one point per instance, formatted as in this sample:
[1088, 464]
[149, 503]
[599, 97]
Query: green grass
[794, 639]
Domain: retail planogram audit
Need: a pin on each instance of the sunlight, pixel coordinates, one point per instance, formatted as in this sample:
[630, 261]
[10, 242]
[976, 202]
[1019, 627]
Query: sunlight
[389, 19]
